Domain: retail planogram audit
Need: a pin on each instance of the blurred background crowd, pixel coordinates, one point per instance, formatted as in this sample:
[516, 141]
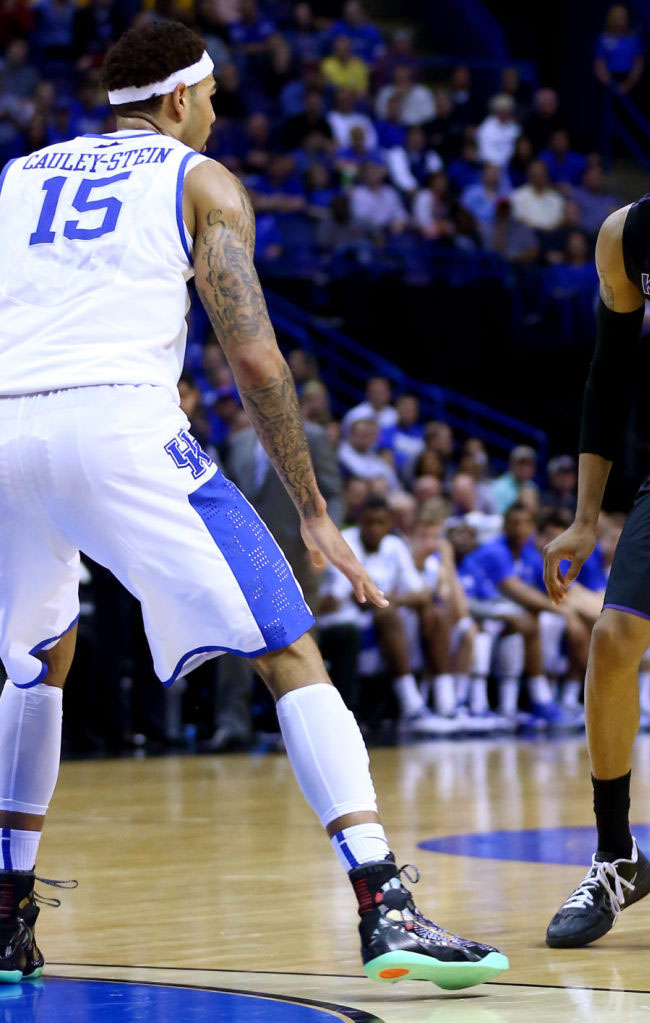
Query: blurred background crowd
[421, 191]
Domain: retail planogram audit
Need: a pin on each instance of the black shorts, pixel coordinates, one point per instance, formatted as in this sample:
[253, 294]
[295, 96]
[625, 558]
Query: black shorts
[628, 588]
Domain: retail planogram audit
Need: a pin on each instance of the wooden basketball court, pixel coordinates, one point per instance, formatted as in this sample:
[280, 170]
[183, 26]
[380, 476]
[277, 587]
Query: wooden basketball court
[212, 873]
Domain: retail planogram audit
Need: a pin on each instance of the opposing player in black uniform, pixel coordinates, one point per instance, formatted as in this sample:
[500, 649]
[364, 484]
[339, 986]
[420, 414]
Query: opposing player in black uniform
[620, 873]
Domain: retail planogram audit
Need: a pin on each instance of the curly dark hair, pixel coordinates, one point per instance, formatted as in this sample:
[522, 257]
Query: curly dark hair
[149, 53]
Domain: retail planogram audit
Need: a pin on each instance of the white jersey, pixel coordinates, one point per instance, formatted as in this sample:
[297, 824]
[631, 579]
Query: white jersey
[94, 263]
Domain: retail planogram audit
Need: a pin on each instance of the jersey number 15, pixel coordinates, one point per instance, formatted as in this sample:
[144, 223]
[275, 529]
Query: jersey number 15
[82, 203]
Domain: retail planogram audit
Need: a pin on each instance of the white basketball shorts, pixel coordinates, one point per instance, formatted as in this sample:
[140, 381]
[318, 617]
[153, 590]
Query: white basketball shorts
[114, 472]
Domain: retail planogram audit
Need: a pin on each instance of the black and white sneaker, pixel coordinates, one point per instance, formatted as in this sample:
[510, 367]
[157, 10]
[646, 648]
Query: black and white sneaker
[596, 904]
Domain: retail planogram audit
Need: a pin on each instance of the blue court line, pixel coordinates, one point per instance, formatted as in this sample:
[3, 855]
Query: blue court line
[71, 1000]
[569, 845]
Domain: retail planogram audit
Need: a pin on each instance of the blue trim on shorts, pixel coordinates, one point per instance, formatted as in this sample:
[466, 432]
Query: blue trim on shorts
[7, 863]
[5, 169]
[629, 610]
[260, 568]
[179, 204]
[36, 649]
[209, 650]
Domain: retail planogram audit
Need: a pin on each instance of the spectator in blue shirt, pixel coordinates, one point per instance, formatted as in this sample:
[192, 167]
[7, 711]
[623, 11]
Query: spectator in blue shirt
[565, 167]
[390, 130]
[54, 27]
[305, 40]
[250, 35]
[481, 199]
[619, 58]
[406, 437]
[367, 41]
[466, 169]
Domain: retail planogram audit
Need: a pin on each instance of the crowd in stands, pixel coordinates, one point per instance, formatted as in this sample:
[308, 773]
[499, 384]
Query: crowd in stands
[356, 157]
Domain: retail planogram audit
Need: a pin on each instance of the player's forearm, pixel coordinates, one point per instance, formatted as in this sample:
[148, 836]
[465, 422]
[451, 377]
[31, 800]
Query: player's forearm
[272, 405]
[593, 472]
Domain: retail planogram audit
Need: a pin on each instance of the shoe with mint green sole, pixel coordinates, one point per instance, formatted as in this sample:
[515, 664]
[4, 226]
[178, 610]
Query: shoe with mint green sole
[399, 943]
[392, 967]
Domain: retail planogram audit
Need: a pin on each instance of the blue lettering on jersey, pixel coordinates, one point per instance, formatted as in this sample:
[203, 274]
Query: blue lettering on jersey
[186, 452]
[92, 162]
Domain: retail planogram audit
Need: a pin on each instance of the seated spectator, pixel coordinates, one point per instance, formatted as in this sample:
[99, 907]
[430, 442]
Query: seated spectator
[311, 121]
[53, 36]
[303, 36]
[544, 119]
[553, 243]
[467, 106]
[562, 485]
[375, 205]
[250, 35]
[95, 27]
[439, 437]
[417, 105]
[228, 100]
[349, 160]
[512, 85]
[594, 201]
[279, 191]
[404, 509]
[90, 110]
[303, 366]
[405, 438]
[277, 70]
[432, 208]
[367, 41]
[345, 71]
[466, 507]
[444, 130]
[269, 245]
[511, 238]
[16, 21]
[511, 567]
[520, 161]
[18, 76]
[411, 165]
[355, 494]
[319, 190]
[343, 118]
[357, 455]
[466, 169]
[564, 166]
[190, 403]
[497, 134]
[481, 200]
[390, 130]
[377, 406]
[337, 233]
[425, 488]
[576, 274]
[315, 403]
[537, 204]
[430, 464]
[400, 51]
[522, 467]
[619, 55]
[389, 563]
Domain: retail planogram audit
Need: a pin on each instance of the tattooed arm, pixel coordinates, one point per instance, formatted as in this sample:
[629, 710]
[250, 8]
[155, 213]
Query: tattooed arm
[219, 215]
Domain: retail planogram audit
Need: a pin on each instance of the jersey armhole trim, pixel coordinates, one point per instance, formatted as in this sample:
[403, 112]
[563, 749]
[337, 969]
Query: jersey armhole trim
[5, 169]
[180, 223]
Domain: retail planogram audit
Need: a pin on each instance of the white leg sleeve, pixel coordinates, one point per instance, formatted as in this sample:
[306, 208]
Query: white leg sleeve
[482, 658]
[326, 751]
[30, 746]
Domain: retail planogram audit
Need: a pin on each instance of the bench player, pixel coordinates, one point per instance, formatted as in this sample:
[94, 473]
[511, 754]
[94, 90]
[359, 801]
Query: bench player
[98, 237]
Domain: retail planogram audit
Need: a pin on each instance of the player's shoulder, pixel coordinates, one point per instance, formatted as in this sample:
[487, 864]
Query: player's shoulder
[209, 178]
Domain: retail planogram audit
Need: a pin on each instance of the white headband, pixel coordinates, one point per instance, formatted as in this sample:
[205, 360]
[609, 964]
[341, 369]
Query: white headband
[186, 76]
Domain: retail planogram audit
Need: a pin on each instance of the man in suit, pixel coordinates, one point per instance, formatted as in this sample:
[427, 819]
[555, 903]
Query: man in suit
[251, 470]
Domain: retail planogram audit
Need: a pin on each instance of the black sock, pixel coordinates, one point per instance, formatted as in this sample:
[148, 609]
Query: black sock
[612, 809]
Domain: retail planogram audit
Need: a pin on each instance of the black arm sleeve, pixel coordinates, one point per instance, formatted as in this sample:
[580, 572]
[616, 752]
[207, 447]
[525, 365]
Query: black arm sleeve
[607, 394]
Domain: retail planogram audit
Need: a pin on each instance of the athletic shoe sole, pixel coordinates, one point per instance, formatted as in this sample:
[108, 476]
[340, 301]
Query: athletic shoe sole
[16, 976]
[392, 967]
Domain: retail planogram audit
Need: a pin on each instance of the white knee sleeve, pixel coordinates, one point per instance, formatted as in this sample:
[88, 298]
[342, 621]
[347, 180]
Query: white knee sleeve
[30, 746]
[482, 656]
[510, 655]
[326, 751]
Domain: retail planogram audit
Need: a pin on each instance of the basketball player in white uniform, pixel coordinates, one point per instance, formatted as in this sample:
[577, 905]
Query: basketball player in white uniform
[98, 237]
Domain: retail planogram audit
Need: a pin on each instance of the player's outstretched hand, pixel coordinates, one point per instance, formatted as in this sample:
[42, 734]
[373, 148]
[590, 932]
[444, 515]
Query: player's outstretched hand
[574, 545]
[325, 543]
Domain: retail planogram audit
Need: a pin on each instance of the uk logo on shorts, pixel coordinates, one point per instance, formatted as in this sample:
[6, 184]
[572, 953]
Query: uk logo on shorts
[645, 283]
[186, 453]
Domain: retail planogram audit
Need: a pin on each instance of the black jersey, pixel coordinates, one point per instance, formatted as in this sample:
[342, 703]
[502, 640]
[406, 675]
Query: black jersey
[636, 244]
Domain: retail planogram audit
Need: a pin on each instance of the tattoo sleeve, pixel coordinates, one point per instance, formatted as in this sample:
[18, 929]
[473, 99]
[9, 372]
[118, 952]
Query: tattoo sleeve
[231, 293]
